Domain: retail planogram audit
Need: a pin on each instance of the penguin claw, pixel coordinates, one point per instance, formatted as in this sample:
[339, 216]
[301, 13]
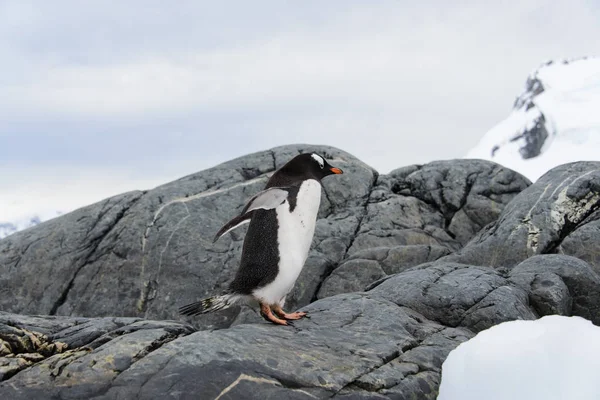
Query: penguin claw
[294, 316]
[290, 323]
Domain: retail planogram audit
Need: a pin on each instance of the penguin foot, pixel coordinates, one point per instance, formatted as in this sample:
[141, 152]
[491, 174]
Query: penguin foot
[282, 314]
[294, 315]
[266, 313]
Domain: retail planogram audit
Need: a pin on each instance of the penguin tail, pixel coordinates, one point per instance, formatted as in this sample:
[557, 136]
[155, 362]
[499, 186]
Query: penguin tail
[210, 304]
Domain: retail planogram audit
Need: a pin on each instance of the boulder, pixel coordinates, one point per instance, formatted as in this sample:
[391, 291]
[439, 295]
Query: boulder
[145, 253]
[458, 295]
[560, 284]
[419, 214]
[583, 241]
[539, 219]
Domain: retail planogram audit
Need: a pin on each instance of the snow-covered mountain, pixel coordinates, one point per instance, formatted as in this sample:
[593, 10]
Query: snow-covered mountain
[556, 120]
[8, 228]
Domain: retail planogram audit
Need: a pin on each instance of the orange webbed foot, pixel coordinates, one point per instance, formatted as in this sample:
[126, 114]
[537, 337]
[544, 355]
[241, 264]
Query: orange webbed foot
[291, 316]
[266, 313]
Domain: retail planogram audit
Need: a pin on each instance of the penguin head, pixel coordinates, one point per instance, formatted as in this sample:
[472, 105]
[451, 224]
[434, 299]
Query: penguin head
[310, 165]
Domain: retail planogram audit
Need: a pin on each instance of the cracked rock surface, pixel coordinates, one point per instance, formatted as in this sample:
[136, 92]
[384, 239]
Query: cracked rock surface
[419, 214]
[353, 344]
[555, 215]
[144, 254]
[403, 268]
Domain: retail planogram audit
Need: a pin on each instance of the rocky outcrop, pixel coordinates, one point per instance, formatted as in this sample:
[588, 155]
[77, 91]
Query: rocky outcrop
[560, 207]
[336, 352]
[404, 267]
[144, 254]
[418, 214]
[62, 357]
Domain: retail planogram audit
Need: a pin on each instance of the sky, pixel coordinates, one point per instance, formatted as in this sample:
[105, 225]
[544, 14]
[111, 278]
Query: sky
[103, 97]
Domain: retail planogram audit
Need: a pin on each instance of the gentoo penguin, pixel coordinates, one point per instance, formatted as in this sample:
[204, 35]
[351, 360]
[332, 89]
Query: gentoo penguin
[282, 223]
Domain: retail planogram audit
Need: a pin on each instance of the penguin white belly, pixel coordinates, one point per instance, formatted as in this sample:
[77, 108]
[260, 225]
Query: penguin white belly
[295, 233]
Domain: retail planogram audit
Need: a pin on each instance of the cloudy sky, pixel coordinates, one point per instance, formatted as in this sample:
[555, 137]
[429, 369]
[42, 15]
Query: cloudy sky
[103, 97]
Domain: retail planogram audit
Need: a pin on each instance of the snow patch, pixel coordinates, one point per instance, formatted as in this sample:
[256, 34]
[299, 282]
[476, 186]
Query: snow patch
[552, 358]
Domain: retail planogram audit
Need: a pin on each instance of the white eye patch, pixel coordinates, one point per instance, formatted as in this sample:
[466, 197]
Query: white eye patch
[318, 159]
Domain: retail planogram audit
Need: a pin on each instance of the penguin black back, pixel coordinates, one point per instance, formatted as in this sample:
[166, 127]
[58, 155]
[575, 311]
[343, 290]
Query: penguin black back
[256, 256]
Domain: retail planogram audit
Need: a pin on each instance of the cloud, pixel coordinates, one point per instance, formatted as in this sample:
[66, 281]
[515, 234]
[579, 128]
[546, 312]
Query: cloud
[149, 89]
[397, 54]
[26, 192]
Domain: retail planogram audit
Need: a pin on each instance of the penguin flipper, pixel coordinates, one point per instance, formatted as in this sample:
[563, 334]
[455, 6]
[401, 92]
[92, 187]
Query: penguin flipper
[234, 223]
[266, 200]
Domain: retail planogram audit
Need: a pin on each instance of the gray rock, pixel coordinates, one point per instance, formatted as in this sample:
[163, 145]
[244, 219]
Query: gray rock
[351, 276]
[583, 242]
[367, 266]
[467, 193]
[39, 266]
[418, 214]
[400, 258]
[539, 219]
[36, 350]
[352, 346]
[440, 204]
[400, 237]
[458, 295]
[561, 285]
[144, 254]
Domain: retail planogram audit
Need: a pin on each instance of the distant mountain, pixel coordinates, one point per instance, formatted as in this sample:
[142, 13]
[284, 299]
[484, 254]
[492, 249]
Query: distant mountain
[554, 121]
[8, 228]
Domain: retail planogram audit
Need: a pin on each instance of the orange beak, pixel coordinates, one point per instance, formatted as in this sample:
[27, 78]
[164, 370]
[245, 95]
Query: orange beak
[336, 170]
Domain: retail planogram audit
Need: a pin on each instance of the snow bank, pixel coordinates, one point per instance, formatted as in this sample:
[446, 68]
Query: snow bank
[552, 358]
